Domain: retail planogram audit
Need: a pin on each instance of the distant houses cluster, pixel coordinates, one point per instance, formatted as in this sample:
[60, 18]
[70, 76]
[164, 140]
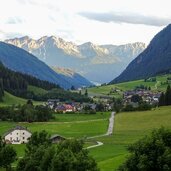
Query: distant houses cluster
[63, 107]
[71, 107]
[146, 95]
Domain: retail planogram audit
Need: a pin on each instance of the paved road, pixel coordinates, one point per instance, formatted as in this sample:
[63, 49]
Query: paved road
[109, 131]
[111, 124]
[93, 146]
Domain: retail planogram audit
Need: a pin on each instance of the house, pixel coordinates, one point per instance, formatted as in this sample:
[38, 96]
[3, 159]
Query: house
[56, 138]
[69, 108]
[17, 135]
[65, 108]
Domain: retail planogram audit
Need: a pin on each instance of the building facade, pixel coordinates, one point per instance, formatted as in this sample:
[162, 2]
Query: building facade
[18, 135]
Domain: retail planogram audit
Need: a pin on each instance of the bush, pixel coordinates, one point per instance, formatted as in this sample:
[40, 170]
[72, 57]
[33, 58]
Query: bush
[68, 155]
[150, 153]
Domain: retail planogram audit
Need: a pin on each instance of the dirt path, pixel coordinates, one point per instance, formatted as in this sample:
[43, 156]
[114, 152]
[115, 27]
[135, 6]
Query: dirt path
[97, 145]
[109, 131]
[111, 124]
[58, 122]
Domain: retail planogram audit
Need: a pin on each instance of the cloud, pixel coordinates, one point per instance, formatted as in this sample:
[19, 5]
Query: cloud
[126, 18]
[8, 35]
[39, 3]
[14, 20]
[12, 35]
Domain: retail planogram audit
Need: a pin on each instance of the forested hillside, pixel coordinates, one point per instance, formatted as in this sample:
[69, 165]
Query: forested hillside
[154, 60]
[17, 84]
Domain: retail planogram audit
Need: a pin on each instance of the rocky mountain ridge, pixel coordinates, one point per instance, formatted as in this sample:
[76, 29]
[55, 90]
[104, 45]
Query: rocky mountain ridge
[99, 63]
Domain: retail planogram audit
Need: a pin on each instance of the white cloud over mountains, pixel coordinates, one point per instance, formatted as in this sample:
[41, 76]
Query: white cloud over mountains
[89, 20]
[127, 18]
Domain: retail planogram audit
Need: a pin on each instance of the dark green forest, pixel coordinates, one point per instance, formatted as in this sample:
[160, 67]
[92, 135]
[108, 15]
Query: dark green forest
[26, 113]
[17, 84]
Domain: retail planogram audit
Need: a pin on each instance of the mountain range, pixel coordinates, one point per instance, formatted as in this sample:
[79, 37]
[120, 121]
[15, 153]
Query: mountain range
[20, 60]
[154, 60]
[98, 63]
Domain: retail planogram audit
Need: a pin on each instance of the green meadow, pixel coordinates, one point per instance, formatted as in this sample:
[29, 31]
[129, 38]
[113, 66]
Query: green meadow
[9, 100]
[80, 117]
[37, 90]
[158, 85]
[129, 127]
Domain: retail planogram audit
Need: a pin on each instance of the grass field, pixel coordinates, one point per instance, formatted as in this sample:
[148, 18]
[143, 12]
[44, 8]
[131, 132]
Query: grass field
[37, 90]
[129, 127]
[80, 117]
[70, 125]
[105, 90]
[67, 125]
[9, 100]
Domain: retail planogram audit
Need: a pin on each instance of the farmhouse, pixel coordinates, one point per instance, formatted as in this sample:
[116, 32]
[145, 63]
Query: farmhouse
[56, 138]
[17, 135]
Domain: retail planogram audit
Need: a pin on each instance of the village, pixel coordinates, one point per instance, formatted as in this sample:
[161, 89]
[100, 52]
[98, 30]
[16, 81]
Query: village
[20, 135]
[147, 96]
[106, 103]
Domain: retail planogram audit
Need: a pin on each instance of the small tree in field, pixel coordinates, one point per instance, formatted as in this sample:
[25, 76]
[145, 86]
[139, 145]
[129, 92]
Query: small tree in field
[152, 153]
[68, 155]
[7, 155]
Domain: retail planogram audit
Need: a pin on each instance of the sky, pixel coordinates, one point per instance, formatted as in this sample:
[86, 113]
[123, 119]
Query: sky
[98, 21]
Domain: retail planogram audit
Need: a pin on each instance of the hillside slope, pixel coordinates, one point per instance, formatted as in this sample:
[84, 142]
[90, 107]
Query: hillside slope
[155, 59]
[20, 60]
[72, 77]
[98, 63]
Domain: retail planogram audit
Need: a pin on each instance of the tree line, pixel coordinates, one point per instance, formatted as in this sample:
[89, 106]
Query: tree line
[26, 113]
[17, 84]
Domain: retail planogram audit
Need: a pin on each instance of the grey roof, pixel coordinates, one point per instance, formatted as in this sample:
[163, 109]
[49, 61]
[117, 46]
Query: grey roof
[56, 135]
[18, 127]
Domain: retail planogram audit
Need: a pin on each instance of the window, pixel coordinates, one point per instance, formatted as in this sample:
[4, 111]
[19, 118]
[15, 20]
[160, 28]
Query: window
[17, 133]
[23, 138]
[10, 138]
[23, 133]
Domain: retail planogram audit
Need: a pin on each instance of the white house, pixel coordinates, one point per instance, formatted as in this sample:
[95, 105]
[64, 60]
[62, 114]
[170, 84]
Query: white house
[17, 135]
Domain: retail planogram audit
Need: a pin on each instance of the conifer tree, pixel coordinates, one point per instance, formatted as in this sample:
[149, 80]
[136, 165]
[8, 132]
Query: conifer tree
[168, 96]
[1, 89]
[162, 100]
[86, 93]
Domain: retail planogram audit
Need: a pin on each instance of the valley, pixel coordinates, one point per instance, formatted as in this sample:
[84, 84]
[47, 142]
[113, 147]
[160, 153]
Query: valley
[68, 104]
[97, 63]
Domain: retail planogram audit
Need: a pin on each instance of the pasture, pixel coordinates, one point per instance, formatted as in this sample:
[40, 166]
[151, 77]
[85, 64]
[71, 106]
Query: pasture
[106, 90]
[129, 127]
